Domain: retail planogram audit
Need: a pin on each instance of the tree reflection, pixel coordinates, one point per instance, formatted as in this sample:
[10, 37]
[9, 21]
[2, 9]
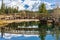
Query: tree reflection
[42, 31]
[54, 28]
[2, 32]
[57, 31]
[45, 26]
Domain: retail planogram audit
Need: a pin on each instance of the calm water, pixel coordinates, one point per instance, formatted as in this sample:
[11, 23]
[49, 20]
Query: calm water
[47, 32]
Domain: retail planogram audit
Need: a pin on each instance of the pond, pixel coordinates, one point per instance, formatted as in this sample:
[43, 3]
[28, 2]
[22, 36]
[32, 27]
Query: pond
[47, 32]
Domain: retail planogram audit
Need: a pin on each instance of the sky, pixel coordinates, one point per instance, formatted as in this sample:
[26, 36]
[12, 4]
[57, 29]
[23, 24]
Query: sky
[31, 5]
[8, 36]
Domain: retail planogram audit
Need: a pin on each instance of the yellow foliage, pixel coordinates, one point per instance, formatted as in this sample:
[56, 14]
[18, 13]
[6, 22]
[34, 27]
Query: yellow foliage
[2, 23]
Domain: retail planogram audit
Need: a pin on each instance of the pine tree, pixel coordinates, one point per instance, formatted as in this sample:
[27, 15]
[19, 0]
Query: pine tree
[42, 8]
[2, 7]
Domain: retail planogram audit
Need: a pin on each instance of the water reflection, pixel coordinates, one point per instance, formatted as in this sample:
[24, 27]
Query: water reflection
[42, 31]
[45, 29]
[53, 28]
[22, 24]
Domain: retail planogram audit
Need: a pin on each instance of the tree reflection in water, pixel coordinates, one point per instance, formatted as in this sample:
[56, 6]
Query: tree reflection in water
[57, 31]
[53, 28]
[42, 31]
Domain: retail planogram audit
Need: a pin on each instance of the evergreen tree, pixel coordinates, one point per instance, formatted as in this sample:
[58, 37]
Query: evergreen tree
[6, 10]
[42, 8]
[3, 8]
